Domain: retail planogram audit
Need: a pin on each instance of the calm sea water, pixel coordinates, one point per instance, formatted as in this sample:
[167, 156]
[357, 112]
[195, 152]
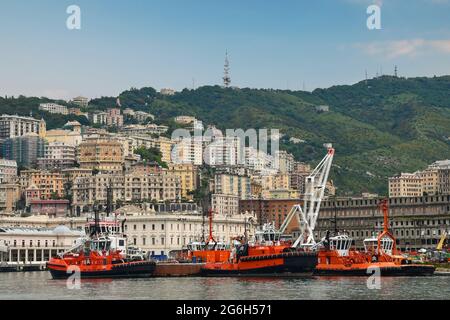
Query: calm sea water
[39, 285]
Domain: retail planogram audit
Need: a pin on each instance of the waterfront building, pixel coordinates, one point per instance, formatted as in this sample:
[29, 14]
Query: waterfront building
[416, 222]
[54, 108]
[25, 150]
[162, 232]
[32, 248]
[158, 228]
[101, 153]
[8, 171]
[12, 126]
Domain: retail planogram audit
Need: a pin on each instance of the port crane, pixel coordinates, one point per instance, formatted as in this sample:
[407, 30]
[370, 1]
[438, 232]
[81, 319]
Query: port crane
[307, 214]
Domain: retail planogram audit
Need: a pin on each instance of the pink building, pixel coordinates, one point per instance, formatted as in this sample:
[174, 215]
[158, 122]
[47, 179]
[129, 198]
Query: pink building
[114, 117]
[55, 208]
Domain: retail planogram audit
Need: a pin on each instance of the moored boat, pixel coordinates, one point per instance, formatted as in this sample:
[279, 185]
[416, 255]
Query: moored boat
[380, 254]
[266, 256]
[102, 255]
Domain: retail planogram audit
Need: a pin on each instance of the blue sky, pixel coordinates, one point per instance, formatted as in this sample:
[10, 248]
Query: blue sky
[168, 43]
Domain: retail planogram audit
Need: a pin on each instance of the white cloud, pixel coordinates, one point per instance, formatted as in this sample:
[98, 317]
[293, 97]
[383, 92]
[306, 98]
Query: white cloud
[399, 48]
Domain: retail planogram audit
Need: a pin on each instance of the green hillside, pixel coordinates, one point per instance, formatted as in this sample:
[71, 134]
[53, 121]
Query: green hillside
[379, 127]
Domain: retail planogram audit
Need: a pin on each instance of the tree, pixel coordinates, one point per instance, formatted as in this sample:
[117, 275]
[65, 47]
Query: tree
[151, 155]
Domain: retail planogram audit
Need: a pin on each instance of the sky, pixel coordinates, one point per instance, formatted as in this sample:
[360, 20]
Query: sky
[282, 44]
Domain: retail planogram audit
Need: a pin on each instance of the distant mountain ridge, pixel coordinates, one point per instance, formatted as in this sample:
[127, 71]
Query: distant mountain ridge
[379, 127]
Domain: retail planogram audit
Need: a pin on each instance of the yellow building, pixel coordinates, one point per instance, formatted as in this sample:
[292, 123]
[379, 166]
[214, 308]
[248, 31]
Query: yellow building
[230, 184]
[276, 182]
[48, 182]
[165, 146]
[104, 154]
[406, 185]
[430, 181]
[71, 135]
[188, 178]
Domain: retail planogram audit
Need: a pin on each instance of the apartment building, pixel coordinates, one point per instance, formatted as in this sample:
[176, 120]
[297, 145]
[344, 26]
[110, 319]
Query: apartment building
[54, 108]
[101, 153]
[12, 126]
[57, 155]
[8, 171]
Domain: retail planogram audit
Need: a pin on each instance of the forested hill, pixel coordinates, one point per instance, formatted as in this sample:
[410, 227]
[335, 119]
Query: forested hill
[379, 127]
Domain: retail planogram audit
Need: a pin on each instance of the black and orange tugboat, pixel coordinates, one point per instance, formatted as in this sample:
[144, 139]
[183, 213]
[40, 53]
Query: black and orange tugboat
[337, 257]
[266, 256]
[101, 255]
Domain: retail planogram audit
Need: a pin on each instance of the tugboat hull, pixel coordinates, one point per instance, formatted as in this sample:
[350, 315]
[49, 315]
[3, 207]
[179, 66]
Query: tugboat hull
[283, 264]
[385, 271]
[123, 270]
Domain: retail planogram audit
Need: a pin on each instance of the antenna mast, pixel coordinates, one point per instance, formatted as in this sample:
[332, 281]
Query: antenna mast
[226, 76]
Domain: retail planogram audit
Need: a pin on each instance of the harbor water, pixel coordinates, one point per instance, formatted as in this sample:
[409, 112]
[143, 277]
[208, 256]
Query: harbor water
[39, 285]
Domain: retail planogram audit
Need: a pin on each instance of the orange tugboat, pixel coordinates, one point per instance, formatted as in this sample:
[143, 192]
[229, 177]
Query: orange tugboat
[267, 256]
[102, 255]
[337, 257]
